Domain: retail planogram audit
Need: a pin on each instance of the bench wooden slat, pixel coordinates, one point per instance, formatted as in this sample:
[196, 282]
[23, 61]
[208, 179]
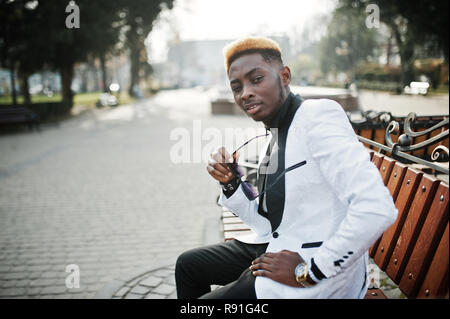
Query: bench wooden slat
[393, 184]
[411, 228]
[419, 139]
[227, 214]
[379, 135]
[435, 284]
[377, 159]
[396, 179]
[228, 235]
[375, 294]
[403, 202]
[232, 220]
[385, 168]
[235, 227]
[426, 244]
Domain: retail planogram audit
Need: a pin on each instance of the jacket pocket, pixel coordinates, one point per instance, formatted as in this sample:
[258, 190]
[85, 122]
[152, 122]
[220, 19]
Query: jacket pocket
[312, 244]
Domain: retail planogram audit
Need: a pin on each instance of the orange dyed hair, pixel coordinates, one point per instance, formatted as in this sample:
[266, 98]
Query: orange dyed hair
[250, 45]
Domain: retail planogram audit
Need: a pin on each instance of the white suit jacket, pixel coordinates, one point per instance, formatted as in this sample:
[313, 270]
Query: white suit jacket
[338, 199]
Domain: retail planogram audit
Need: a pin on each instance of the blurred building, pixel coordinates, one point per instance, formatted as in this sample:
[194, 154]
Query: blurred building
[200, 63]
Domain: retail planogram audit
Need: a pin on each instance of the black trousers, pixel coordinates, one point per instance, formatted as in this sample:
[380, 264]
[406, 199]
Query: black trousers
[226, 264]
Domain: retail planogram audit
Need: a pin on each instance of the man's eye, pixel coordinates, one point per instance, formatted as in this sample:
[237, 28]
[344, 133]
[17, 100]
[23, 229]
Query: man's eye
[257, 79]
[236, 88]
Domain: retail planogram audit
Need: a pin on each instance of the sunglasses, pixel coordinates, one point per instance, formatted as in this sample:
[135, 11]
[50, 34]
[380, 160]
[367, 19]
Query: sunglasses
[248, 188]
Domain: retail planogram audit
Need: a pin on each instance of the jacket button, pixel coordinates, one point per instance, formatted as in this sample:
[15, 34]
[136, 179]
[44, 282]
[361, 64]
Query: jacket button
[275, 234]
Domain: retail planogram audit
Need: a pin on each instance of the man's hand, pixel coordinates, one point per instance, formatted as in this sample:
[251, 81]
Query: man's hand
[278, 266]
[217, 166]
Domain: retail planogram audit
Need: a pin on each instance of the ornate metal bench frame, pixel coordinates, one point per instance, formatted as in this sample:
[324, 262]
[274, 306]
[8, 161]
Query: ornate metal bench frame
[399, 149]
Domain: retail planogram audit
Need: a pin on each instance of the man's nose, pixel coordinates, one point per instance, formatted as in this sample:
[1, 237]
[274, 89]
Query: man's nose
[247, 93]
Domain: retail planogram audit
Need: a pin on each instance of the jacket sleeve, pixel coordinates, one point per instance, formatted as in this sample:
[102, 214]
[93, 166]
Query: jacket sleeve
[246, 210]
[346, 165]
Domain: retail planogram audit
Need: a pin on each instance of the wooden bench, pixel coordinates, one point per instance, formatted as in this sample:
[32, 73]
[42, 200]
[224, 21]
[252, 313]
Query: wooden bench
[414, 250]
[18, 115]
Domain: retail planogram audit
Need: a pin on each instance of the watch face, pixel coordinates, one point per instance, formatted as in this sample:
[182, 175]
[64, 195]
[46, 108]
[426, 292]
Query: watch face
[300, 274]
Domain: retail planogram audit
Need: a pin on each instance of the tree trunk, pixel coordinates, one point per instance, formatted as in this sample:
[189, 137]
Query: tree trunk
[104, 78]
[66, 73]
[407, 55]
[25, 88]
[93, 69]
[407, 64]
[83, 71]
[389, 51]
[134, 69]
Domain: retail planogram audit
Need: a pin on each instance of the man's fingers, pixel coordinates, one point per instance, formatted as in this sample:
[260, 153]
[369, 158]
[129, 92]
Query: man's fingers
[217, 175]
[220, 168]
[261, 267]
[214, 172]
[261, 263]
[223, 156]
[265, 255]
[289, 252]
[236, 156]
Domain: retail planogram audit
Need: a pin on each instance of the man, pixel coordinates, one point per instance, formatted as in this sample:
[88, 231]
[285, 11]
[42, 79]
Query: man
[314, 224]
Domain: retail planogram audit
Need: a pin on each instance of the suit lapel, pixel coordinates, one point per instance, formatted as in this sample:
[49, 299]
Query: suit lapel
[275, 197]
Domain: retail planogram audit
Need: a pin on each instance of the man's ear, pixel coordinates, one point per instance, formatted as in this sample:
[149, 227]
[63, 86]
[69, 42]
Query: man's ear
[285, 74]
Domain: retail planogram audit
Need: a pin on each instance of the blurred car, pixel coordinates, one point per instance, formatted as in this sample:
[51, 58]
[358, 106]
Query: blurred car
[107, 99]
[417, 88]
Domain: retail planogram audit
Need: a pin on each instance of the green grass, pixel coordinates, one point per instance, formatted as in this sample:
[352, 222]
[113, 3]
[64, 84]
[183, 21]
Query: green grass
[86, 99]
[34, 99]
[81, 99]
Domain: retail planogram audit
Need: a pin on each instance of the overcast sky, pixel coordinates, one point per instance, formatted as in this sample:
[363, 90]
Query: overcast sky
[230, 19]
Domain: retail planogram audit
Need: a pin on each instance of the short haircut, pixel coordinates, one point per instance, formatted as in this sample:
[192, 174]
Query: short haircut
[269, 50]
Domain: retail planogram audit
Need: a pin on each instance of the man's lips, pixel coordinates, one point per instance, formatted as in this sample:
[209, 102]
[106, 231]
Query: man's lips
[252, 108]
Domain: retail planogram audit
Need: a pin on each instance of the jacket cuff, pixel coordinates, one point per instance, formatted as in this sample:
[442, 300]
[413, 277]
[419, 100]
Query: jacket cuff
[315, 272]
[230, 187]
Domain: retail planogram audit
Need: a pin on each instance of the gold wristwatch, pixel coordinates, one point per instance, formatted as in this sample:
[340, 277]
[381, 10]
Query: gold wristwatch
[301, 275]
